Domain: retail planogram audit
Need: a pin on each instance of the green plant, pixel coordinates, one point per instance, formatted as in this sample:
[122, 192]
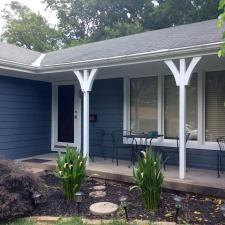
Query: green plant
[71, 169]
[149, 178]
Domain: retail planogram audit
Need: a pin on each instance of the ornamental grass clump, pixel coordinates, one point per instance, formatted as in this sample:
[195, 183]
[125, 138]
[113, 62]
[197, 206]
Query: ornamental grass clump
[71, 169]
[149, 178]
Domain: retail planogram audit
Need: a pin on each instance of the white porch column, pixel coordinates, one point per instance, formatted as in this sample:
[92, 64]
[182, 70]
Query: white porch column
[182, 77]
[86, 79]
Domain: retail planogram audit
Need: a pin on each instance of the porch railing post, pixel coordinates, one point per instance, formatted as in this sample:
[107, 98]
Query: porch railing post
[182, 131]
[86, 79]
[86, 124]
[182, 77]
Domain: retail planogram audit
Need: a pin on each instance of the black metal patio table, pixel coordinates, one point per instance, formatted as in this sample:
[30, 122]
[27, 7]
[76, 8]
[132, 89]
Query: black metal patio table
[141, 136]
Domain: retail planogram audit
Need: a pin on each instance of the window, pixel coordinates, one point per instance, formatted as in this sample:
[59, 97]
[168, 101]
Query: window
[171, 108]
[214, 105]
[143, 104]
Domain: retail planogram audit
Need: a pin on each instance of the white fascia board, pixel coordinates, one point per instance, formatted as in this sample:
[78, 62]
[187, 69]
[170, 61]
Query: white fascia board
[15, 66]
[161, 55]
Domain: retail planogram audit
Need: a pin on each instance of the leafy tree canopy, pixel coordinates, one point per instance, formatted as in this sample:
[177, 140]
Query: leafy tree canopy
[28, 29]
[102, 19]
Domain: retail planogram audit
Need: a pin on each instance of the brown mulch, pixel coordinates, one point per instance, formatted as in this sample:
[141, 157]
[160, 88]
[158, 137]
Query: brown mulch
[196, 209]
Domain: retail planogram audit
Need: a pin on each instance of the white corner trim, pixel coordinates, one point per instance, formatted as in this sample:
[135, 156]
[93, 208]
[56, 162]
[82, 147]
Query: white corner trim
[37, 62]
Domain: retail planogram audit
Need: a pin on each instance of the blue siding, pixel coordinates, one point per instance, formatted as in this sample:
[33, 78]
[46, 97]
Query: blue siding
[25, 117]
[106, 100]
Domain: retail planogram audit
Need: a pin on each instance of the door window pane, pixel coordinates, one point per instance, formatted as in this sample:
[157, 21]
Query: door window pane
[171, 108]
[66, 113]
[214, 105]
[143, 104]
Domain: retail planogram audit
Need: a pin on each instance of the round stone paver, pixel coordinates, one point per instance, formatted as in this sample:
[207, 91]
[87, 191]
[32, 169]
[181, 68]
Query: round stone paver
[103, 208]
[99, 188]
[97, 194]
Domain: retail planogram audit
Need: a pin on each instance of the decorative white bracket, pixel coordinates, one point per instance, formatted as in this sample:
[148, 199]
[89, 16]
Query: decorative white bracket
[182, 78]
[86, 79]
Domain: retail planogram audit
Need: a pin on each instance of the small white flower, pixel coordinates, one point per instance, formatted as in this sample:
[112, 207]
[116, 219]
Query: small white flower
[142, 174]
[60, 172]
[80, 163]
[143, 153]
[70, 166]
[65, 165]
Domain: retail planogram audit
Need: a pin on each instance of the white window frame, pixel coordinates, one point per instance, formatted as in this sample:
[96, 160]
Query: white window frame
[55, 144]
[198, 144]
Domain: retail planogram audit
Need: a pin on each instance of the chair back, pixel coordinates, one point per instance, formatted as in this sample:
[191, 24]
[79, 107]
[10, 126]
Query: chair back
[118, 136]
[97, 137]
[187, 138]
[221, 143]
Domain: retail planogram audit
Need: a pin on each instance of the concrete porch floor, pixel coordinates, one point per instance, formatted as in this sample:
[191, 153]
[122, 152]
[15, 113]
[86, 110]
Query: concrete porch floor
[197, 181]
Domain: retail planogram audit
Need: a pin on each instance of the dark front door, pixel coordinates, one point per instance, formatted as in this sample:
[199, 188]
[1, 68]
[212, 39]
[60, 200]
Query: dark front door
[66, 113]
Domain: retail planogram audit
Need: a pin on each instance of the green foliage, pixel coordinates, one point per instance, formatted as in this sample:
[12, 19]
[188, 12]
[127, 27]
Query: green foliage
[123, 29]
[72, 221]
[221, 21]
[28, 29]
[149, 178]
[71, 169]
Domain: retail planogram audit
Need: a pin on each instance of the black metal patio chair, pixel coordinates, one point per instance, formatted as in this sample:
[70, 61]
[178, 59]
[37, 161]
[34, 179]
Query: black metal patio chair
[220, 155]
[118, 137]
[167, 152]
[96, 140]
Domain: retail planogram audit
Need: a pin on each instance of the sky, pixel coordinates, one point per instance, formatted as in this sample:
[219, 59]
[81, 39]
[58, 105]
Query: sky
[34, 5]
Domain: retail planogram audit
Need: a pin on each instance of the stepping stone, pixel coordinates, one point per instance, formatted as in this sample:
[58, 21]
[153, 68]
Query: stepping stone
[103, 208]
[99, 188]
[97, 194]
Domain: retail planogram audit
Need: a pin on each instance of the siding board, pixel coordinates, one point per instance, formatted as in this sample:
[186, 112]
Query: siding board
[25, 117]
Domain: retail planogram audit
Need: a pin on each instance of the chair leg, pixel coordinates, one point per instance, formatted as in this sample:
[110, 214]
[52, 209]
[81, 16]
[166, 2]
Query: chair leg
[113, 154]
[218, 166]
[221, 165]
[117, 163]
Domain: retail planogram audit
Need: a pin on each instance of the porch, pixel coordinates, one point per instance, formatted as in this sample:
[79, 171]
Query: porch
[201, 181]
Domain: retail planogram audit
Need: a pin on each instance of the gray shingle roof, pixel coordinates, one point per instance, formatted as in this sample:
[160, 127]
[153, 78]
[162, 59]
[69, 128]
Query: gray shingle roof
[16, 54]
[176, 37]
[205, 32]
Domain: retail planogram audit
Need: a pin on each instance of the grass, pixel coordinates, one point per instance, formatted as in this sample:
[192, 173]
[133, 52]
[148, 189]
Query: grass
[72, 221]
[20, 222]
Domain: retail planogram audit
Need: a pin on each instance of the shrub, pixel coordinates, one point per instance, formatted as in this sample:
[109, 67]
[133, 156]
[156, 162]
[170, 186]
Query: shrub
[148, 177]
[16, 190]
[71, 169]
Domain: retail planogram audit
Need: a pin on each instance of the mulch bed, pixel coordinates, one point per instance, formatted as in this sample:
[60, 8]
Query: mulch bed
[196, 209]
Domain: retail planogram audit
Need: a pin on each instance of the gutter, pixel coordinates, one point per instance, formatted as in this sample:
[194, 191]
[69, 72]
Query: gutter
[160, 55]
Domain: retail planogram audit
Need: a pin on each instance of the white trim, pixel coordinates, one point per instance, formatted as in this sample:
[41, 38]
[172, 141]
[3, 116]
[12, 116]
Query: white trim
[203, 106]
[160, 106]
[200, 104]
[126, 103]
